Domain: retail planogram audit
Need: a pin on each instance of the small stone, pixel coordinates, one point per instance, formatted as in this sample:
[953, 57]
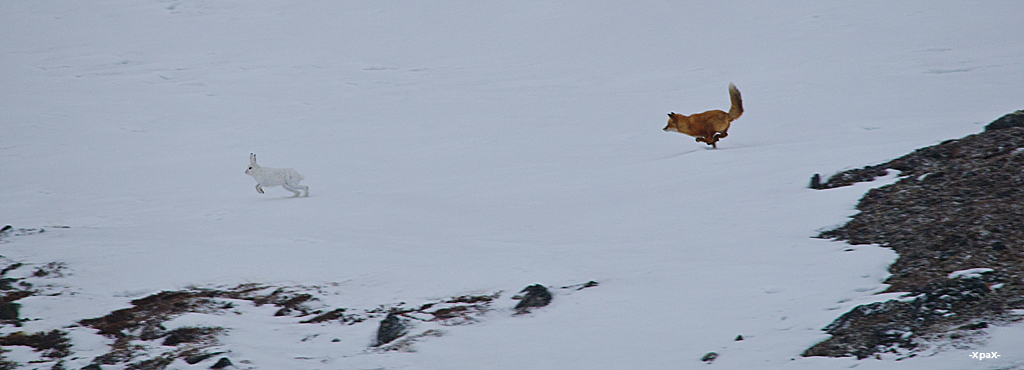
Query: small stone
[9, 311]
[739, 338]
[188, 335]
[6, 283]
[391, 328]
[708, 357]
[536, 296]
[816, 182]
[200, 358]
[222, 363]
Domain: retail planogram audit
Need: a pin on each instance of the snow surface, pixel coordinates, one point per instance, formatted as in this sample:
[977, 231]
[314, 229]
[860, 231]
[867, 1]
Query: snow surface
[969, 273]
[466, 147]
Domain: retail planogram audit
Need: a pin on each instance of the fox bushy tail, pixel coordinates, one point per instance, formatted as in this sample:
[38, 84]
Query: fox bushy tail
[737, 103]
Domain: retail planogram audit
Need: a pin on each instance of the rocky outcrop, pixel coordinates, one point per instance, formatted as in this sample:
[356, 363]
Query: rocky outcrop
[958, 206]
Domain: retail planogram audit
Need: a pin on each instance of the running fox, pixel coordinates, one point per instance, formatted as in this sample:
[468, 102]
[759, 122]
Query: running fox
[709, 126]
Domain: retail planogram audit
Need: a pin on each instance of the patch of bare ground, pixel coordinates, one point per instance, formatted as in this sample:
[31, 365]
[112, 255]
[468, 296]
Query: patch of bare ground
[141, 341]
[54, 344]
[143, 322]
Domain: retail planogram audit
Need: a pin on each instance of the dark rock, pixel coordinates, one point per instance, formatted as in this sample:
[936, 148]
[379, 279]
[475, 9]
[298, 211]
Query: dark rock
[332, 315]
[978, 326]
[9, 311]
[589, 284]
[7, 283]
[12, 267]
[536, 296]
[850, 177]
[816, 182]
[222, 363]
[192, 360]
[391, 328]
[708, 357]
[1015, 119]
[739, 338]
[92, 367]
[189, 335]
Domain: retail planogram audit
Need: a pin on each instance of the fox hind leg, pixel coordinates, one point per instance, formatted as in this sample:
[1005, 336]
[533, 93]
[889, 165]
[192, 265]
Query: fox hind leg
[713, 141]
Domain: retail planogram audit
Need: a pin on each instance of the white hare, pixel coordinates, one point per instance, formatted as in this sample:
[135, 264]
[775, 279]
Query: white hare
[270, 177]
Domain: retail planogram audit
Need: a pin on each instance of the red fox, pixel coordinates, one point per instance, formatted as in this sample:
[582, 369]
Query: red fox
[709, 126]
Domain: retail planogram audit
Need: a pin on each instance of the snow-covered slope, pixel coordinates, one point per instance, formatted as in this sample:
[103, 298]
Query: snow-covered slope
[468, 147]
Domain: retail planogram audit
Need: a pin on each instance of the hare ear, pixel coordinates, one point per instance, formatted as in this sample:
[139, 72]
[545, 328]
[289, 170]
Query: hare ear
[252, 158]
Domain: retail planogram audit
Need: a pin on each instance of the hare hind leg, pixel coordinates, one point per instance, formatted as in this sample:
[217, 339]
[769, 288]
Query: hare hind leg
[297, 189]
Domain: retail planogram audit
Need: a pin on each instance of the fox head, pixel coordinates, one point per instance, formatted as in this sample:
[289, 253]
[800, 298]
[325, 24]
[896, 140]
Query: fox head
[673, 122]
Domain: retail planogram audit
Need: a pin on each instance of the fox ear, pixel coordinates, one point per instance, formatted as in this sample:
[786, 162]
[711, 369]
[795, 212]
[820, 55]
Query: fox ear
[670, 114]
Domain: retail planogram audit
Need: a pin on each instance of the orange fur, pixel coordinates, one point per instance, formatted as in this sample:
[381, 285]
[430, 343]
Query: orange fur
[710, 126]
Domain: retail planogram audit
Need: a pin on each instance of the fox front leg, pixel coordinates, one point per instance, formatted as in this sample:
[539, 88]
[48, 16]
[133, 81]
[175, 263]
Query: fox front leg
[259, 189]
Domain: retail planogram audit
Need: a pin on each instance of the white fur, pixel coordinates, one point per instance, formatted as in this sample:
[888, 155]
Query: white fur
[270, 177]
